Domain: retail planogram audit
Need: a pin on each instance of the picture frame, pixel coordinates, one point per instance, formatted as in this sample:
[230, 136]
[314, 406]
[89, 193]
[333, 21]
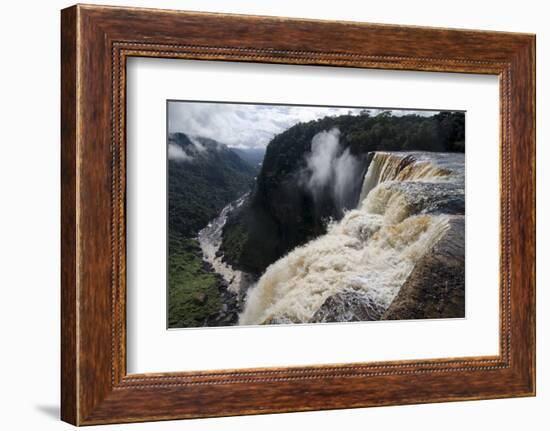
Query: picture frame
[96, 42]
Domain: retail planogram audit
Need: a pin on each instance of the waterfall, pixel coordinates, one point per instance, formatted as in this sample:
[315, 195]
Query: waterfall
[389, 167]
[403, 212]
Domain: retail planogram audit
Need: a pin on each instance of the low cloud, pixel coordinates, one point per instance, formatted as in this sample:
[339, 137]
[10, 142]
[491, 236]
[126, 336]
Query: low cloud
[189, 151]
[175, 152]
[198, 147]
[242, 125]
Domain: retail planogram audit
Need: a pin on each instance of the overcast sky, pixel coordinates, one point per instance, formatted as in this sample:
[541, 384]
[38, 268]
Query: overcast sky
[242, 125]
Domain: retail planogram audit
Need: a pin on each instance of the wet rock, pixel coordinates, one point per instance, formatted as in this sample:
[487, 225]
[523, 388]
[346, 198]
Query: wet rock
[435, 287]
[281, 320]
[228, 313]
[347, 306]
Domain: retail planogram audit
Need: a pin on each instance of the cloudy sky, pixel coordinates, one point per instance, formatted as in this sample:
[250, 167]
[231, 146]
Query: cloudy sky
[248, 125]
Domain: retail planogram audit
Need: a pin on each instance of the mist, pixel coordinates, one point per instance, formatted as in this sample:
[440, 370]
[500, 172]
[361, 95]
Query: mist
[331, 168]
[198, 146]
[177, 153]
[189, 152]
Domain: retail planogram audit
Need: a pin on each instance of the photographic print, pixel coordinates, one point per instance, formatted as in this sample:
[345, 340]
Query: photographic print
[297, 214]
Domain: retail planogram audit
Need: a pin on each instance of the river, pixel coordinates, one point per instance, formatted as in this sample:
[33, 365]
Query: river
[210, 240]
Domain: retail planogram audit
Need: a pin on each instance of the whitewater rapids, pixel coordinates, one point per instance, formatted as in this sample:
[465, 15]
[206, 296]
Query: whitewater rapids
[406, 203]
[210, 240]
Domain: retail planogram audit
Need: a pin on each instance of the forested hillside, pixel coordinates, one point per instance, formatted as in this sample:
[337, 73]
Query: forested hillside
[203, 176]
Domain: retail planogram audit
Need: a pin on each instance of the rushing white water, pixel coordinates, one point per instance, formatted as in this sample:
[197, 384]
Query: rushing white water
[407, 167]
[210, 240]
[373, 249]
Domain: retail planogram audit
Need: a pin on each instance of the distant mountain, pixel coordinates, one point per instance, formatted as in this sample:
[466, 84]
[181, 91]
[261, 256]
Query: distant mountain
[254, 156]
[203, 176]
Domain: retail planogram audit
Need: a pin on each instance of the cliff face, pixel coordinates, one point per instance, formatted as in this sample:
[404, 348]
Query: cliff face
[313, 171]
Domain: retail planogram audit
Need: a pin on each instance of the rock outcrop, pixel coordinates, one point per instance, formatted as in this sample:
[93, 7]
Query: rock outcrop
[435, 287]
